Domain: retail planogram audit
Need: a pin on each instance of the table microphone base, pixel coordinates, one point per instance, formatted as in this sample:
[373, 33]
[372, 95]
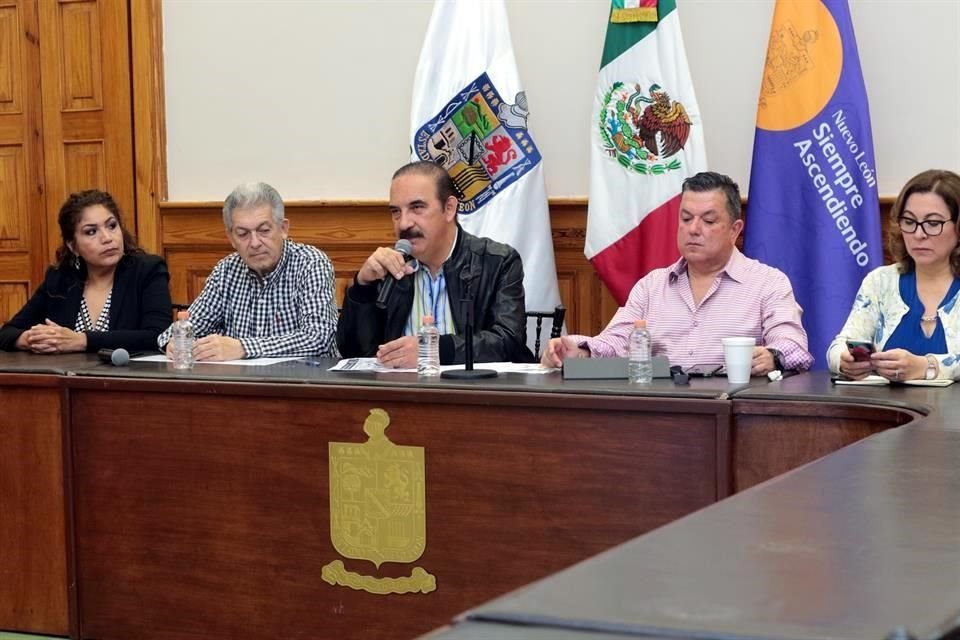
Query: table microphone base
[468, 374]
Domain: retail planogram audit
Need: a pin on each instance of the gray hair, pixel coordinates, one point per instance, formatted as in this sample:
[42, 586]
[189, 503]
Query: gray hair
[252, 194]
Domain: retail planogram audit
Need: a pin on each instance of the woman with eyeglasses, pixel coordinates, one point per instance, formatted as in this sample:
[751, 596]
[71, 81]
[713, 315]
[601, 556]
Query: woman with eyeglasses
[908, 310]
[103, 293]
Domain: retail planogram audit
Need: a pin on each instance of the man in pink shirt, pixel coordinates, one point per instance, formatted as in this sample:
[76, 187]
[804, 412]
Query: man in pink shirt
[712, 292]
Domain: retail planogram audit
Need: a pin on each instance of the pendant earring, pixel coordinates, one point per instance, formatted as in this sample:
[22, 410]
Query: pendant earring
[76, 262]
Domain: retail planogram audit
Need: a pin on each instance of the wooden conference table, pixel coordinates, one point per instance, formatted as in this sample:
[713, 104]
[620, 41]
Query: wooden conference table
[864, 543]
[198, 505]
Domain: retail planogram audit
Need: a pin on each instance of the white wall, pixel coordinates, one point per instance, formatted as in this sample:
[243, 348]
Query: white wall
[313, 96]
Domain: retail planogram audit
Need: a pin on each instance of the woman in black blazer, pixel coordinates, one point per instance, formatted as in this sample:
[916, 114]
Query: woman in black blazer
[104, 291]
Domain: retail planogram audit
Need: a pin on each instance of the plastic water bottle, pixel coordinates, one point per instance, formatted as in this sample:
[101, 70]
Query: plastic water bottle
[182, 339]
[639, 364]
[428, 356]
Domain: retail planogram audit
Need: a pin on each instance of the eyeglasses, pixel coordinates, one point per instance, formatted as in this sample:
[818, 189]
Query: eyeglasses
[930, 227]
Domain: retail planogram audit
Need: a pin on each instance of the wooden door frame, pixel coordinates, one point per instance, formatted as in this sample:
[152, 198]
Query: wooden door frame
[149, 121]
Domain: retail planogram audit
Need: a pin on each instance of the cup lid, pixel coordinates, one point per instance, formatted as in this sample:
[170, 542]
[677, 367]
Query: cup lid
[739, 341]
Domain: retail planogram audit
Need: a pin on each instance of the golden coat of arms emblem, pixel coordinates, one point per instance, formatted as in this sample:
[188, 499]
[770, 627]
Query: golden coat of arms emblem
[378, 509]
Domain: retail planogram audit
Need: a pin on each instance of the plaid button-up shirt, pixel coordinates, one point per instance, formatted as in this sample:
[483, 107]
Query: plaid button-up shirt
[290, 312]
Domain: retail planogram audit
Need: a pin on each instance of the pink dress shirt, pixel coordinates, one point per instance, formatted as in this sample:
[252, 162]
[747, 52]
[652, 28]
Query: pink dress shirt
[746, 299]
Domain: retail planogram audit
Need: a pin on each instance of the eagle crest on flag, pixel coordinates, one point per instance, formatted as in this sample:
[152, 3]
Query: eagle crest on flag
[641, 131]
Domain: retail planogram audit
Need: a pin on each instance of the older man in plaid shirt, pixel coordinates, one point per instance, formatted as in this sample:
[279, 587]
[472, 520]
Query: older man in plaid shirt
[272, 297]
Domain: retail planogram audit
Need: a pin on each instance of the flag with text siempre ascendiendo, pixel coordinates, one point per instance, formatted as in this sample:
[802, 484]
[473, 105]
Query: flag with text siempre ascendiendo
[646, 136]
[813, 210]
[470, 115]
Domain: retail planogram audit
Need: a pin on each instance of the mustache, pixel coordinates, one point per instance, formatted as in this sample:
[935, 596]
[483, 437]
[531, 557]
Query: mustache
[410, 234]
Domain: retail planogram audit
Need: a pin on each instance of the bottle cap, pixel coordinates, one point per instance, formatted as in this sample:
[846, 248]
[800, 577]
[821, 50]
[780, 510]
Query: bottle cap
[640, 324]
[183, 315]
[428, 319]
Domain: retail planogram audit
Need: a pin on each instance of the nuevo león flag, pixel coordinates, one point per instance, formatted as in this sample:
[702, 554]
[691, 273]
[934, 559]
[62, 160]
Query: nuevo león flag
[813, 210]
[646, 136]
[471, 116]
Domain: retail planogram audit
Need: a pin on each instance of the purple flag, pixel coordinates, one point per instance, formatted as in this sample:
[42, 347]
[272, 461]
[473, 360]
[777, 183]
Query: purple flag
[814, 211]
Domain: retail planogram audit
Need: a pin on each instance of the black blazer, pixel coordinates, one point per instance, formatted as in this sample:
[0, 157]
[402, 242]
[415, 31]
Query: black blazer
[139, 306]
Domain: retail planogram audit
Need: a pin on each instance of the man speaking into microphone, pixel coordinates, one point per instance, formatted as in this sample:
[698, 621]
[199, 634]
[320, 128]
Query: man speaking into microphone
[441, 270]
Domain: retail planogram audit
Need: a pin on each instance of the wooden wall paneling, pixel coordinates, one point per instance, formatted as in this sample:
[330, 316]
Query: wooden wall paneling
[22, 202]
[84, 164]
[12, 266]
[11, 71]
[188, 272]
[14, 221]
[574, 274]
[349, 231]
[13, 295]
[85, 82]
[81, 74]
[194, 239]
[149, 126]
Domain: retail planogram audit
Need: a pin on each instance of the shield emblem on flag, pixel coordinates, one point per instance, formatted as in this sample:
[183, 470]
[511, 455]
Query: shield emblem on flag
[481, 140]
[378, 509]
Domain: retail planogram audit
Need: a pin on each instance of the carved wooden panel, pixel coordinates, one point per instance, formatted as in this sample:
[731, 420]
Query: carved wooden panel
[13, 295]
[343, 283]
[87, 120]
[22, 219]
[193, 239]
[14, 225]
[84, 165]
[81, 67]
[567, 283]
[11, 71]
[196, 279]
[146, 50]
[348, 232]
[189, 270]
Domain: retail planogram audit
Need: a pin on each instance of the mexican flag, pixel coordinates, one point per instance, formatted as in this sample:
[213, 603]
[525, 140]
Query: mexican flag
[471, 116]
[646, 137]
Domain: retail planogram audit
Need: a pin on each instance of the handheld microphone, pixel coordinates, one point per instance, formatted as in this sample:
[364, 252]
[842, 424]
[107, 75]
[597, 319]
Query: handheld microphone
[386, 289]
[116, 357]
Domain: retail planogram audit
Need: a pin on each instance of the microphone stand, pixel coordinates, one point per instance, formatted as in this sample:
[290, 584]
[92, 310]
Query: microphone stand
[468, 372]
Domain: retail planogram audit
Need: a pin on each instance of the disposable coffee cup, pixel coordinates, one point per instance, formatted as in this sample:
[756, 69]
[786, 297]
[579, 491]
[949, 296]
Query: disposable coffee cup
[738, 358]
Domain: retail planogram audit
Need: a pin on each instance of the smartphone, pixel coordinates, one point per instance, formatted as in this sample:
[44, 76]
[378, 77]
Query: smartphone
[704, 370]
[861, 350]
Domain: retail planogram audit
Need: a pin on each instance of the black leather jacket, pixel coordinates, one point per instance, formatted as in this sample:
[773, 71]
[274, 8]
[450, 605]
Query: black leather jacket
[479, 269]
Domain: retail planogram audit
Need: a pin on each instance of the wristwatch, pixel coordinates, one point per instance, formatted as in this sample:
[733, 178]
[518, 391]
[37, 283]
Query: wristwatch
[777, 360]
[932, 368]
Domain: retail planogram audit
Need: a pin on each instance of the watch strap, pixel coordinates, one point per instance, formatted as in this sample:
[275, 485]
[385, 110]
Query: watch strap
[777, 359]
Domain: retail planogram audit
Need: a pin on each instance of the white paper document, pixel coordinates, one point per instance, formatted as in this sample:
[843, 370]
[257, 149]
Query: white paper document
[252, 362]
[371, 364]
[874, 380]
